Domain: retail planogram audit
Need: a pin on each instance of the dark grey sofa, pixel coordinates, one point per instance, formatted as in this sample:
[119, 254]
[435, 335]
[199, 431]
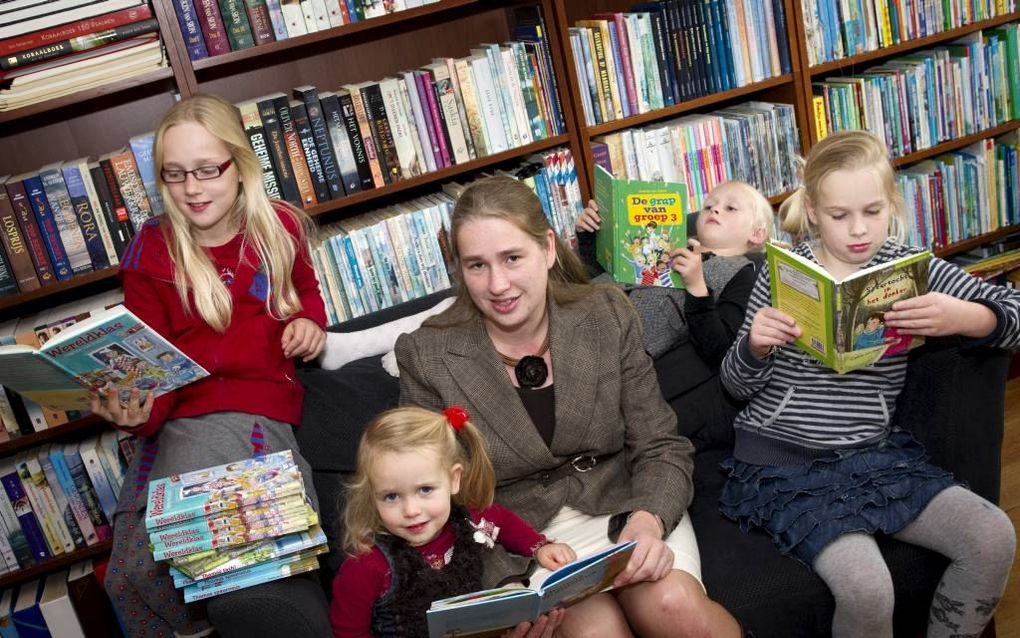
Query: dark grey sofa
[953, 402]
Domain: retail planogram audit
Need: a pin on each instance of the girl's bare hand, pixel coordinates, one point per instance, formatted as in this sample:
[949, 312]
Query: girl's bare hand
[771, 328]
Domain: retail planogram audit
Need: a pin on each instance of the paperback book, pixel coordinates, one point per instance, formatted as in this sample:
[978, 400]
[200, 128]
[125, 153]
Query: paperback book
[185, 497]
[204, 565]
[306, 561]
[842, 322]
[112, 347]
[491, 612]
[642, 223]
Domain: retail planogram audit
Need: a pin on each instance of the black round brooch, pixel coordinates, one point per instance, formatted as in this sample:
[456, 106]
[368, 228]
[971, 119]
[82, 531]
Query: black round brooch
[531, 372]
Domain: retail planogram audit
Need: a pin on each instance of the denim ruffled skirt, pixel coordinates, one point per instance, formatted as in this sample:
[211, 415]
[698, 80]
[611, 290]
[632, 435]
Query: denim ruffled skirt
[805, 507]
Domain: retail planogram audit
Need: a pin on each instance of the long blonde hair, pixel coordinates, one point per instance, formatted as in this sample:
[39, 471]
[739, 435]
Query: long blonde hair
[513, 201]
[253, 212]
[410, 429]
[846, 150]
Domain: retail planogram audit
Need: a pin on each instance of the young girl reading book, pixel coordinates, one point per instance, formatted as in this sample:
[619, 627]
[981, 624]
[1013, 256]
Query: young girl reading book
[225, 276]
[419, 516]
[816, 464]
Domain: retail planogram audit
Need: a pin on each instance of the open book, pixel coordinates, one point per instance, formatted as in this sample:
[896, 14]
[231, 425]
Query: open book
[842, 322]
[113, 346]
[492, 611]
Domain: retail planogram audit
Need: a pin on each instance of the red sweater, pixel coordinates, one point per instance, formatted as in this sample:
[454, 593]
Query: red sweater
[247, 370]
[363, 579]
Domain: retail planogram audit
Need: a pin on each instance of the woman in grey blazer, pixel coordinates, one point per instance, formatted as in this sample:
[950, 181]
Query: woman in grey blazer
[589, 459]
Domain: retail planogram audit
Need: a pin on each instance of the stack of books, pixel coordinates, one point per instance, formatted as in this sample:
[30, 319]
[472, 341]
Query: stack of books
[233, 526]
[664, 53]
[51, 48]
[213, 28]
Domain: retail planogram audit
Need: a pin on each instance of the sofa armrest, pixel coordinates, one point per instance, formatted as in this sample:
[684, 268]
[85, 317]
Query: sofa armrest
[953, 402]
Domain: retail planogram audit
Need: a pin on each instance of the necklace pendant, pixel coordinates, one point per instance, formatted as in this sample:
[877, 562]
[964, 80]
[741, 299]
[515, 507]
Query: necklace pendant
[531, 372]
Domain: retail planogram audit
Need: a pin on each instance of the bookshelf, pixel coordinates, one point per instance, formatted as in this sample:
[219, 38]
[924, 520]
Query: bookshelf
[96, 121]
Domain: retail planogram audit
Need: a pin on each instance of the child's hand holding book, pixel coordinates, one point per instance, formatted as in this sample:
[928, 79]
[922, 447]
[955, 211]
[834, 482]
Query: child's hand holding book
[555, 555]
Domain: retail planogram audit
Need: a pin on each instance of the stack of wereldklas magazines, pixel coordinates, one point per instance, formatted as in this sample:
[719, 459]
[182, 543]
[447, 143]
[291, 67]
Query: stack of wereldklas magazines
[233, 526]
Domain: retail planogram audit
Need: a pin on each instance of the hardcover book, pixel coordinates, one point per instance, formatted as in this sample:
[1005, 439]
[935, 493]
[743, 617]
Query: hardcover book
[842, 321]
[493, 611]
[644, 223]
[113, 346]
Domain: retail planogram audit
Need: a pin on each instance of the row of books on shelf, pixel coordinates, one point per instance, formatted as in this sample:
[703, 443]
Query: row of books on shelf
[69, 603]
[963, 194]
[929, 97]
[53, 48]
[666, 52]
[74, 217]
[235, 525]
[756, 142]
[20, 415]
[402, 252]
[836, 29]
[59, 498]
[323, 146]
[212, 28]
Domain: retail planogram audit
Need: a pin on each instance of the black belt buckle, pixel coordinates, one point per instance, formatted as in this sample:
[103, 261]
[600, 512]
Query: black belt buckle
[584, 463]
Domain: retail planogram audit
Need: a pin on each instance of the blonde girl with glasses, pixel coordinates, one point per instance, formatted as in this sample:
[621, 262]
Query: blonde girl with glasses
[226, 276]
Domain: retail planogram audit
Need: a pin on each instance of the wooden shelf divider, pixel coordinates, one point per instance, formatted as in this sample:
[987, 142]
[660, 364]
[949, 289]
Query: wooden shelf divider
[953, 145]
[54, 564]
[84, 424]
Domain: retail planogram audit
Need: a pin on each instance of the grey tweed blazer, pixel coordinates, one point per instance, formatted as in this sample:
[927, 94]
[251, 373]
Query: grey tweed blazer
[608, 404]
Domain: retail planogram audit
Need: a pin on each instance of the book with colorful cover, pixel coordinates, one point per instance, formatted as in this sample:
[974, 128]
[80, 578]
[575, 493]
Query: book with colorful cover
[493, 611]
[217, 562]
[307, 561]
[240, 535]
[842, 322]
[113, 346]
[243, 573]
[229, 522]
[184, 497]
[643, 222]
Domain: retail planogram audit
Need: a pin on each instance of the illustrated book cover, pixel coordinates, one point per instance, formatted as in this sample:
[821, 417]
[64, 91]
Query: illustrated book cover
[184, 497]
[113, 346]
[491, 612]
[842, 322]
[642, 223]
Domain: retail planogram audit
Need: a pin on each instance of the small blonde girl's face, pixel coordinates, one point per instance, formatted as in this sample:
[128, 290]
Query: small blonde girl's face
[205, 203]
[412, 492]
[726, 221]
[852, 217]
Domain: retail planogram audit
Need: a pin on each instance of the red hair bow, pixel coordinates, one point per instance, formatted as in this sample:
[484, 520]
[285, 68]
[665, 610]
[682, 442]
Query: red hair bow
[457, 416]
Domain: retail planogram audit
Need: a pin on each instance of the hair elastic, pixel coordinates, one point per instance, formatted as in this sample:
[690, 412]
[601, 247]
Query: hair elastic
[456, 416]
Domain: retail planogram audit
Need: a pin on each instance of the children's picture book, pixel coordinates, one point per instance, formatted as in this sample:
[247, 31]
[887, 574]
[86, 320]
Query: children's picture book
[842, 322]
[184, 497]
[111, 347]
[492, 611]
[642, 223]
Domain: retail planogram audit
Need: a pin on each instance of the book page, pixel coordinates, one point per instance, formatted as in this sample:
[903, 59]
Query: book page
[584, 577]
[805, 292]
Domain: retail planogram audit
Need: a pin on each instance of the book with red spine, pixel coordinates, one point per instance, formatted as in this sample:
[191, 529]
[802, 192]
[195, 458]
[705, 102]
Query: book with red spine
[212, 27]
[75, 29]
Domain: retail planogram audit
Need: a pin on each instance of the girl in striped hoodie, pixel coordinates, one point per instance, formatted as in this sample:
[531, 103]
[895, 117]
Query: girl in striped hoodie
[816, 463]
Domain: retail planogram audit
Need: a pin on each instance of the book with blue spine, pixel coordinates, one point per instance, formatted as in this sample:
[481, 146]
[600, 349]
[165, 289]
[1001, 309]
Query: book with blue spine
[246, 518]
[141, 148]
[274, 570]
[240, 535]
[184, 497]
[23, 510]
[47, 225]
[112, 347]
[88, 223]
[205, 565]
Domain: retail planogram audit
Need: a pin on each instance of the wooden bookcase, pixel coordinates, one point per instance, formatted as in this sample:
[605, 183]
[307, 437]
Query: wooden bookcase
[97, 121]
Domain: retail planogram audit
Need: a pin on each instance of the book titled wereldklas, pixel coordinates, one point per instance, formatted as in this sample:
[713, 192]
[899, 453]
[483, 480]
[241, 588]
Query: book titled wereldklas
[492, 612]
[185, 497]
[112, 347]
[843, 322]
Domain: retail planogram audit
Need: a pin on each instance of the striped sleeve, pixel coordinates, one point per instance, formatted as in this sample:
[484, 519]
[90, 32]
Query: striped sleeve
[948, 278]
[742, 373]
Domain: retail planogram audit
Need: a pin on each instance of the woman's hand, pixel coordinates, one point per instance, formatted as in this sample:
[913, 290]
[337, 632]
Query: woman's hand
[652, 558]
[106, 405]
[769, 329]
[937, 314]
[555, 555]
[541, 628]
[303, 338]
[589, 221]
[687, 262]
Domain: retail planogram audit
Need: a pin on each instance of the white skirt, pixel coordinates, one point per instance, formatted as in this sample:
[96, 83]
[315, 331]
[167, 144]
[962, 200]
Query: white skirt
[589, 534]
